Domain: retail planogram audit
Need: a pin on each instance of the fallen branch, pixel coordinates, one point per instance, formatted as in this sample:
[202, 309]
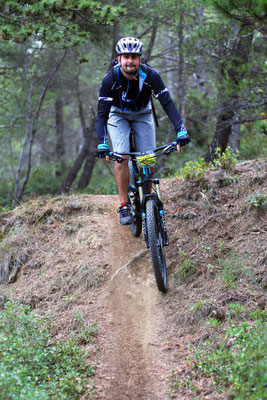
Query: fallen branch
[133, 259]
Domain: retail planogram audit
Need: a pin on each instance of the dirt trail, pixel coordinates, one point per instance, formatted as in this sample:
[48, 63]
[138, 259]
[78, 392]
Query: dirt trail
[69, 255]
[80, 260]
[128, 363]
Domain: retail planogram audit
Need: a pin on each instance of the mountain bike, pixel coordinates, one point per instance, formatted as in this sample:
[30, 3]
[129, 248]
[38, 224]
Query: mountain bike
[147, 207]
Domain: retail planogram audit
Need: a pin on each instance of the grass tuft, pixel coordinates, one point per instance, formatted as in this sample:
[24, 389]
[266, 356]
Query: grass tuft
[185, 271]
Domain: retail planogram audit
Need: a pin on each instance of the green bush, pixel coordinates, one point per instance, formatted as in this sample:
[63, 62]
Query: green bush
[6, 200]
[43, 180]
[31, 366]
[102, 180]
[194, 169]
[257, 201]
[225, 160]
[253, 143]
[238, 362]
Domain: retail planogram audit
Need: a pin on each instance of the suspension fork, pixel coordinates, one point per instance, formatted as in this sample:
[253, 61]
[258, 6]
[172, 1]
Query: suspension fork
[161, 215]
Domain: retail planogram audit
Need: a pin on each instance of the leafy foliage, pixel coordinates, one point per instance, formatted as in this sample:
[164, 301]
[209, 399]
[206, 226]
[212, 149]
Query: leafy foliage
[242, 10]
[194, 169]
[257, 202]
[239, 361]
[31, 367]
[227, 159]
[69, 22]
[31, 33]
[85, 331]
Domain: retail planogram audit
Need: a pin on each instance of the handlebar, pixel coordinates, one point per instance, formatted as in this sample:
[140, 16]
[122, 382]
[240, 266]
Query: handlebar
[166, 149]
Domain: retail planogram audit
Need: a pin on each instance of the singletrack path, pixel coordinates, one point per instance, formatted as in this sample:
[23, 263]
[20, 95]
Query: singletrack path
[130, 342]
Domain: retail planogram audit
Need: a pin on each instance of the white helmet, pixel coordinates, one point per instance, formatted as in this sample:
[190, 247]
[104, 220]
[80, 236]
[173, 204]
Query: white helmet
[129, 45]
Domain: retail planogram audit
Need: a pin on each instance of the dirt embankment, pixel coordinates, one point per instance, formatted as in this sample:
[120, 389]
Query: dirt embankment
[69, 254]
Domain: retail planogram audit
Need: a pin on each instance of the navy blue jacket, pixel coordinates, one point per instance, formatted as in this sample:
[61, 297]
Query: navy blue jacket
[132, 95]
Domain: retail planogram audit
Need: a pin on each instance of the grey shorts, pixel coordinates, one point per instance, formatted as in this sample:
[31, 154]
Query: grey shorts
[120, 124]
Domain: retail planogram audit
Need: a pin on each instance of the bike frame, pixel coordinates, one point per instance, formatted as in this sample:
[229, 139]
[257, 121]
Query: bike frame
[144, 176]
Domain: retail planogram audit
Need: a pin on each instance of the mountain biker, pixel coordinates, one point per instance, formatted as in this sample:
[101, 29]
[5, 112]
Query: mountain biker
[124, 103]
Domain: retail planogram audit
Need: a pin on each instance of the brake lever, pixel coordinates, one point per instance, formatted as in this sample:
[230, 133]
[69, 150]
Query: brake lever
[117, 157]
[169, 148]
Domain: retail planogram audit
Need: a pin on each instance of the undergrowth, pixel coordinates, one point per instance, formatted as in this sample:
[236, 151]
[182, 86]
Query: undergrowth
[31, 366]
[232, 360]
[238, 361]
[258, 202]
[196, 169]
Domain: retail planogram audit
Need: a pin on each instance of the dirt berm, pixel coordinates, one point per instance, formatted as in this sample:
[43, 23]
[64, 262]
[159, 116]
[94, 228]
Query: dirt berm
[69, 254]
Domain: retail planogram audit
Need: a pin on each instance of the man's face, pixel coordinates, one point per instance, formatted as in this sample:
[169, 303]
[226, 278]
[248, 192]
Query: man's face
[130, 63]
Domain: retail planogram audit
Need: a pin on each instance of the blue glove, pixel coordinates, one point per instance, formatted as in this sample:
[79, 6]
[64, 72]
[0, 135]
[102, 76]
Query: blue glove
[102, 150]
[182, 137]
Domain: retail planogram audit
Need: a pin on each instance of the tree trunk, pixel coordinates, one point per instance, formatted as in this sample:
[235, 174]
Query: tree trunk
[171, 87]
[181, 78]
[234, 137]
[151, 43]
[116, 38]
[17, 191]
[228, 125]
[75, 169]
[90, 159]
[87, 151]
[31, 131]
[60, 146]
[200, 74]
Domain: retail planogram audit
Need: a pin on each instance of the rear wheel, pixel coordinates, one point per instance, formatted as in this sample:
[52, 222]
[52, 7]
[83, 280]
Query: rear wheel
[133, 198]
[155, 238]
[136, 225]
[132, 174]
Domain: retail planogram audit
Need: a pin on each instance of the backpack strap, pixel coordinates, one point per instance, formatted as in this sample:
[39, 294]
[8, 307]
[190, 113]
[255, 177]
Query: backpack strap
[145, 69]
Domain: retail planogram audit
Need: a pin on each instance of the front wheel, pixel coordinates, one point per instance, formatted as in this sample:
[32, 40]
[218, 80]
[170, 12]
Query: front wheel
[155, 238]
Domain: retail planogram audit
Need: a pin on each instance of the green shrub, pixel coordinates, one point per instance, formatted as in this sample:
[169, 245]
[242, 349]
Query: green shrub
[185, 270]
[85, 332]
[43, 180]
[5, 194]
[238, 362]
[102, 179]
[225, 160]
[31, 366]
[253, 143]
[194, 169]
[257, 201]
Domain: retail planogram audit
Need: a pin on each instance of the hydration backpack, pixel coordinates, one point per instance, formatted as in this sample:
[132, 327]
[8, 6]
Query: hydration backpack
[114, 65]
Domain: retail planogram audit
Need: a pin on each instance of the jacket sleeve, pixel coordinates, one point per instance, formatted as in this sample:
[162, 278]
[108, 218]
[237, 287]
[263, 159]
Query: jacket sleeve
[162, 94]
[104, 103]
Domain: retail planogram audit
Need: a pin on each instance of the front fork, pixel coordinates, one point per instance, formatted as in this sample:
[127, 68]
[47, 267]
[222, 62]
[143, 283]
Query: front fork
[156, 197]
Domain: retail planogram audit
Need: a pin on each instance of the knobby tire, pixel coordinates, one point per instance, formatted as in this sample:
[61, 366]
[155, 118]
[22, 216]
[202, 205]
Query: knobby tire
[136, 226]
[155, 239]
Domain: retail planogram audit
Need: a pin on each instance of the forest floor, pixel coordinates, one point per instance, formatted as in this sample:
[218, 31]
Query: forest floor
[69, 255]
